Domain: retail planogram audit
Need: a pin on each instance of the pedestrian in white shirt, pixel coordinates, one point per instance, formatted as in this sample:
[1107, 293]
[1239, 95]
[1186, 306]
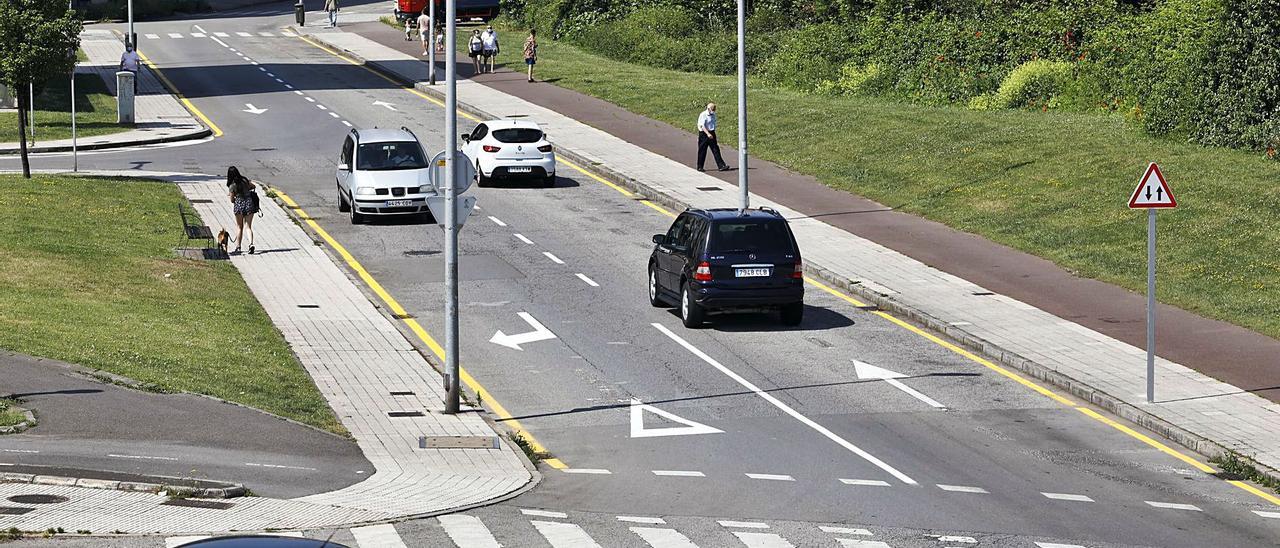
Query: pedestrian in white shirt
[129, 61]
[489, 40]
[707, 138]
[424, 31]
[331, 6]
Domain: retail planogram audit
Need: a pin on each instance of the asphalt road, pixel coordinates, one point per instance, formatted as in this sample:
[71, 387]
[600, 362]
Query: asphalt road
[792, 434]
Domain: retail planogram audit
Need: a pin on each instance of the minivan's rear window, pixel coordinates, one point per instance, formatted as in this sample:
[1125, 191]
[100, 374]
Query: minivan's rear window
[518, 135]
[750, 235]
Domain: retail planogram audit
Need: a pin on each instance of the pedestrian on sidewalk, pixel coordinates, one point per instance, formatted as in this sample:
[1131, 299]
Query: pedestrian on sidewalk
[408, 28]
[489, 40]
[129, 62]
[531, 51]
[707, 138]
[424, 30]
[439, 38]
[475, 48]
[244, 204]
[331, 6]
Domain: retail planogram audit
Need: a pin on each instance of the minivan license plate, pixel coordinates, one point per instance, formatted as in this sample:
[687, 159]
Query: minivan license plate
[520, 169]
[751, 272]
[400, 203]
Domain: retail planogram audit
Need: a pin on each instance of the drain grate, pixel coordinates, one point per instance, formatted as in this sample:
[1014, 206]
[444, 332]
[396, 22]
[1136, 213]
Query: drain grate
[308, 306]
[401, 392]
[402, 316]
[457, 442]
[983, 293]
[821, 343]
[201, 201]
[38, 499]
[709, 188]
[13, 510]
[196, 503]
[420, 253]
[394, 414]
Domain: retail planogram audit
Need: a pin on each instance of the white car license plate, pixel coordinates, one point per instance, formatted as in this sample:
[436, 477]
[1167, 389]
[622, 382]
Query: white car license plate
[752, 272]
[400, 203]
[519, 169]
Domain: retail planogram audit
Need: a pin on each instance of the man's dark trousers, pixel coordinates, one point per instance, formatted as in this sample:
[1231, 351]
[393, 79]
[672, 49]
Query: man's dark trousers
[712, 143]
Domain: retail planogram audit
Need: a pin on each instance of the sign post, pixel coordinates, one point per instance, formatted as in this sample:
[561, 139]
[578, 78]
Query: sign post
[1152, 193]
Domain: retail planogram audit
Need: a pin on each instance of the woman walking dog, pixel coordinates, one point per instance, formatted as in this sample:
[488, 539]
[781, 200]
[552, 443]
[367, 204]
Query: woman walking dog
[244, 204]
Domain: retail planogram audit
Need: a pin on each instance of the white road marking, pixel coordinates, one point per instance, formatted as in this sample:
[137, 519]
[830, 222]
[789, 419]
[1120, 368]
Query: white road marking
[867, 371]
[377, 536]
[642, 519]
[1056, 545]
[266, 34]
[680, 473]
[19, 451]
[253, 110]
[197, 35]
[198, 28]
[7, 464]
[244, 34]
[553, 258]
[289, 34]
[772, 477]
[1174, 506]
[496, 221]
[233, 50]
[786, 408]
[175, 542]
[663, 538]
[845, 531]
[1272, 515]
[220, 42]
[690, 428]
[254, 63]
[523, 239]
[953, 538]
[856, 543]
[174, 35]
[961, 488]
[297, 92]
[1067, 496]
[263, 69]
[277, 79]
[222, 35]
[388, 106]
[322, 107]
[743, 524]
[282, 466]
[348, 124]
[467, 531]
[543, 513]
[868, 483]
[334, 114]
[763, 540]
[589, 281]
[140, 457]
[152, 36]
[564, 535]
[272, 75]
[310, 99]
[539, 333]
[596, 471]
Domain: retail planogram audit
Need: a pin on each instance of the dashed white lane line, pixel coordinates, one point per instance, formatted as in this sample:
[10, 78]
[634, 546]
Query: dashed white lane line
[1056, 545]
[553, 258]
[334, 114]
[244, 35]
[299, 92]
[1067, 496]
[868, 483]
[763, 540]
[664, 538]
[309, 99]
[348, 124]
[288, 86]
[281, 466]
[858, 543]
[222, 35]
[543, 513]
[382, 535]
[961, 540]
[589, 281]
[263, 69]
[139, 457]
[564, 535]
[1174, 505]
[468, 531]
[1272, 515]
[497, 221]
[771, 477]
[266, 34]
[271, 74]
[642, 519]
[277, 79]
[7, 464]
[596, 471]
[743, 524]
[680, 473]
[197, 35]
[786, 408]
[845, 531]
[523, 239]
[152, 36]
[31, 451]
[961, 488]
[174, 35]
[254, 63]
[322, 107]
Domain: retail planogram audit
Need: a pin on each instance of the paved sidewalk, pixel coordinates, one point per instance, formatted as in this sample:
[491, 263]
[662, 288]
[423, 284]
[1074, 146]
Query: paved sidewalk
[158, 116]
[358, 359]
[1195, 410]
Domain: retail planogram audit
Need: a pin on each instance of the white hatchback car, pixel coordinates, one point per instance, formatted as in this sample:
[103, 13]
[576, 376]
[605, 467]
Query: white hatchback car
[510, 150]
[383, 172]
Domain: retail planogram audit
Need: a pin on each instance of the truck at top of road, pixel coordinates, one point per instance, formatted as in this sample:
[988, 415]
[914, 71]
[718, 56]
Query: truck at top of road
[467, 10]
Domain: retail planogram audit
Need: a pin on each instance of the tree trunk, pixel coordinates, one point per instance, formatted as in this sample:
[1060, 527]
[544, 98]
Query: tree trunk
[23, 99]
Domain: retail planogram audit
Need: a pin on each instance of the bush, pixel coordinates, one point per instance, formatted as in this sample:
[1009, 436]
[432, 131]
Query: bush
[807, 56]
[662, 36]
[142, 9]
[1240, 105]
[857, 79]
[1035, 83]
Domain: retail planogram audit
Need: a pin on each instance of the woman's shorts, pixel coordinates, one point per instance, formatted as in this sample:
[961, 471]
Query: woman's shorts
[530, 61]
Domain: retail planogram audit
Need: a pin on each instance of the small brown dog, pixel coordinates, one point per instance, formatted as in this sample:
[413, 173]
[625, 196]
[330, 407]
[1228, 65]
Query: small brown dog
[224, 238]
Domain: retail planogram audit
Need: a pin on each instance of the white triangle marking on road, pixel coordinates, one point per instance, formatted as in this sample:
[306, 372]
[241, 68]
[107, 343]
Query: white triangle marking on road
[690, 428]
[377, 536]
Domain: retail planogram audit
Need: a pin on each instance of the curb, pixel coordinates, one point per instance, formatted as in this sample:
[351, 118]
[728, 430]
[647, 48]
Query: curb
[231, 491]
[191, 136]
[29, 422]
[1121, 408]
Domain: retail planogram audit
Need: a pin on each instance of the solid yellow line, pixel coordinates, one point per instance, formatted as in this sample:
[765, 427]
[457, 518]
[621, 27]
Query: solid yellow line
[1147, 440]
[418, 330]
[217, 132]
[1265, 495]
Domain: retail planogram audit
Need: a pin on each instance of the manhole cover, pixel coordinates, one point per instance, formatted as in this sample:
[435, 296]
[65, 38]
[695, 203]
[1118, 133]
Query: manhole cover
[38, 499]
[395, 414]
[194, 503]
[458, 442]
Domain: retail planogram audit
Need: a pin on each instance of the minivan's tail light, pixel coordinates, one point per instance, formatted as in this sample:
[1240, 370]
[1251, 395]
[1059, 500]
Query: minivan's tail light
[544, 148]
[799, 272]
[703, 273]
[491, 148]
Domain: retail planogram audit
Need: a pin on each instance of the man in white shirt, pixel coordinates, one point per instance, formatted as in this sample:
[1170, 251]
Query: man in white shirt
[489, 41]
[707, 138]
[425, 30]
[129, 61]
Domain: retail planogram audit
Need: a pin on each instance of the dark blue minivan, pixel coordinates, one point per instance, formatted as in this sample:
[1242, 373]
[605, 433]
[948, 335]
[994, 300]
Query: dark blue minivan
[727, 260]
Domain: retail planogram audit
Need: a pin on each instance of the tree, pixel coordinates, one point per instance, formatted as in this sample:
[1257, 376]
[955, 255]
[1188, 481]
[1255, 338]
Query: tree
[38, 40]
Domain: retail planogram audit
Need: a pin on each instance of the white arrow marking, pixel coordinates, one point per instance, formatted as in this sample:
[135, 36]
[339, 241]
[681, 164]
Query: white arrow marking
[253, 110]
[539, 333]
[384, 104]
[690, 428]
[868, 371]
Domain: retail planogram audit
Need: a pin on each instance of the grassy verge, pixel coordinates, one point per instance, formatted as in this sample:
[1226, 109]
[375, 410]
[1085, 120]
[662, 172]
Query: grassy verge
[95, 111]
[8, 415]
[1054, 185]
[90, 277]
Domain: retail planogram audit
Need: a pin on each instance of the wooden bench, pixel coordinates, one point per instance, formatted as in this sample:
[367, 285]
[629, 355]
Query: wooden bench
[194, 232]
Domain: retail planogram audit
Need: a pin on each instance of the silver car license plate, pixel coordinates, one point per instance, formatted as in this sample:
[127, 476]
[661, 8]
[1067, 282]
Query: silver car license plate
[519, 169]
[400, 203]
[752, 272]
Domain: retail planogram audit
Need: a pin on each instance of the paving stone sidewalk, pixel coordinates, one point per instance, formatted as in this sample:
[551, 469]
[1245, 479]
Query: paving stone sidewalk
[158, 116]
[357, 358]
[1194, 410]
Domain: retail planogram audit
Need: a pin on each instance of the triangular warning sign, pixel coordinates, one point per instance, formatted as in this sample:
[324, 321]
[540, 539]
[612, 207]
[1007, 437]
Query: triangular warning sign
[638, 430]
[1152, 191]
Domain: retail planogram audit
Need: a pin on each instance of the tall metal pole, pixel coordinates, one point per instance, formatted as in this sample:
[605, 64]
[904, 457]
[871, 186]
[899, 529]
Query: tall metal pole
[744, 198]
[431, 44]
[130, 39]
[75, 153]
[1151, 305]
[31, 119]
[452, 395]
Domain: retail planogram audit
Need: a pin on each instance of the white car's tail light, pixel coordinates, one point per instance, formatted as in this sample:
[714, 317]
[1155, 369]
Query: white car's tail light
[491, 148]
[544, 148]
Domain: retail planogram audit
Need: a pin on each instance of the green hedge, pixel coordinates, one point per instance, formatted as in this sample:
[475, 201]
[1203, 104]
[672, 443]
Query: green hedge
[142, 9]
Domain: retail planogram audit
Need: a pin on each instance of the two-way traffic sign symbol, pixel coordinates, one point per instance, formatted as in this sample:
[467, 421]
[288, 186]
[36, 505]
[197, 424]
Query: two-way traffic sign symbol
[1152, 191]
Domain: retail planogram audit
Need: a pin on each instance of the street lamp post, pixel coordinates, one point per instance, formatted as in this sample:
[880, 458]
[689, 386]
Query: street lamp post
[744, 198]
[132, 36]
[452, 394]
[431, 44]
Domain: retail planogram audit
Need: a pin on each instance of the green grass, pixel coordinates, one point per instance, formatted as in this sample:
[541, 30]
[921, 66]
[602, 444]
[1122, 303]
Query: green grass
[95, 111]
[1054, 185]
[9, 416]
[90, 277]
